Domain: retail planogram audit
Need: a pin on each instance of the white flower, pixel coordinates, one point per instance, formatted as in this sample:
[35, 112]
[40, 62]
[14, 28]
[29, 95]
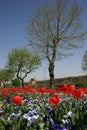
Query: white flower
[69, 114]
[17, 115]
[8, 119]
[26, 116]
[32, 119]
[35, 117]
[12, 114]
[29, 123]
[65, 121]
[29, 118]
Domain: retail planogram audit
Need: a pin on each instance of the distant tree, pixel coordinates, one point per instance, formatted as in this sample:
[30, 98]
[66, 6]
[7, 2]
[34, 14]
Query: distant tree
[54, 30]
[84, 62]
[22, 62]
[6, 75]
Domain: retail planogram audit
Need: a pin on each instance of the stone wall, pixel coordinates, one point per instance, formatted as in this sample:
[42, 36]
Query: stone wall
[78, 80]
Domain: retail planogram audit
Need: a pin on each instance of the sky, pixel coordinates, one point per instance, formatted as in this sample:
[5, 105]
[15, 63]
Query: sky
[14, 17]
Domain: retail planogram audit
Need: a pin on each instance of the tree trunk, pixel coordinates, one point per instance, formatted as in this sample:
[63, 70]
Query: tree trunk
[51, 74]
[4, 84]
[22, 82]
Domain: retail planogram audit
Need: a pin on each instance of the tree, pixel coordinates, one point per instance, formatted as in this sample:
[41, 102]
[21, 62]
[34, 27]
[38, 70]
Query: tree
[6, 75]
[22, 62]
[84, 62]
[54, 30]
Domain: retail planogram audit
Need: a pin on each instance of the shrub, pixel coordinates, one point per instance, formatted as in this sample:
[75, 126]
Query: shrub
[16, 82]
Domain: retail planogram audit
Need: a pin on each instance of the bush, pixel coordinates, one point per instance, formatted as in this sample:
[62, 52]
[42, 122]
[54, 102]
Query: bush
[16, 82]
[85, 84]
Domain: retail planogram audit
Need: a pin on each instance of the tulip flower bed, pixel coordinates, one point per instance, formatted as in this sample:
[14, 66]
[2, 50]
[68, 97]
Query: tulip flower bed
[43, 109]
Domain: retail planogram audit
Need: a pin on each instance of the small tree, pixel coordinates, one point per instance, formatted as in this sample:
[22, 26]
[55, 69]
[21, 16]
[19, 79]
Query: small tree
[84, 62]
[22, 62]
[6, 75]
[54, 30]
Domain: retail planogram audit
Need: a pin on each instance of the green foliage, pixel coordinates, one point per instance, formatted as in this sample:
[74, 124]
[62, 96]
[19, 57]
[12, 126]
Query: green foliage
[66, 81]
[85, 84]
[16, 82]
[84, 62]
[37, 112]
[6, 74]
[22, 117]
[22, 62]
[70, 81]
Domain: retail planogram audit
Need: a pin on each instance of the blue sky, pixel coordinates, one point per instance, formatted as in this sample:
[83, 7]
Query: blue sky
[14, 16]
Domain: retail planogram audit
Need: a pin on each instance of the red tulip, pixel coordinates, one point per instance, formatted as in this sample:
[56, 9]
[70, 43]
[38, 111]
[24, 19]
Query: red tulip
[54, 100]
[17, 100]
[5, 94]
[63, 87]
[77, 93]
[70, 89]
